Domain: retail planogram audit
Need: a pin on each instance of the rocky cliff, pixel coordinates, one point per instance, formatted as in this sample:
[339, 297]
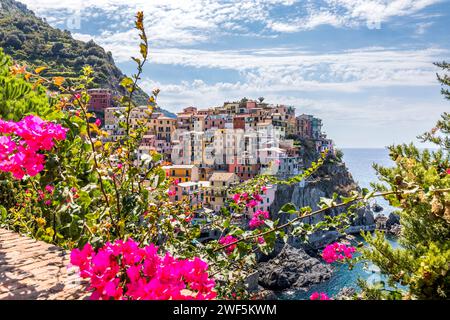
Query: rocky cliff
[297, 265]
[332, 177]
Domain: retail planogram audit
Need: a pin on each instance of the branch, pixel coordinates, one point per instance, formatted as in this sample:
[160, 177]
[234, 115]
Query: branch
[287, 224]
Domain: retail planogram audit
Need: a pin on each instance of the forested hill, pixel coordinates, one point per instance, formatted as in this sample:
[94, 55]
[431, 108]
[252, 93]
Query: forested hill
[31, 40]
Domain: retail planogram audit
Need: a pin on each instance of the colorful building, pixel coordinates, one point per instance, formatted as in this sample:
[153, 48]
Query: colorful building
[182, 173]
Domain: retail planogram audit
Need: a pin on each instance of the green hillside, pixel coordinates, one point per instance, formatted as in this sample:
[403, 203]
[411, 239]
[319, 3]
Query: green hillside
[31, 40]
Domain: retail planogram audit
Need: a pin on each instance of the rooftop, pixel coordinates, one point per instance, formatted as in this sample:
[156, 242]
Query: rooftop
[179, 166]
[222, 176]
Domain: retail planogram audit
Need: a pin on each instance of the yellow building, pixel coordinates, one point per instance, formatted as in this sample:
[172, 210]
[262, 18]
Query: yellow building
[183, 173]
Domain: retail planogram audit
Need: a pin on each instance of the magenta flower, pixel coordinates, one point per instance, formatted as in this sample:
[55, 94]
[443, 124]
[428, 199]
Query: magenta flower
[237, 197]
[258, 219]
[125, 271]
[171, 193]
[226, 241]
[319, 296]
[337, 251]
[447, 171]
[119, 166]
[98, 122]
[49, 189]
[258, 197]
[252, 203]
[261, 240]
[21, 156]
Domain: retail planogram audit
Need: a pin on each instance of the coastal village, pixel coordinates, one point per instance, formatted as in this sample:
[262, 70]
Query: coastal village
[244, 139]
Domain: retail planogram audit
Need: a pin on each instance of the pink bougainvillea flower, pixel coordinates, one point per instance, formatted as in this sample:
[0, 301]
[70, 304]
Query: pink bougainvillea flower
[125, 271]
[252, 203]
[261, 240]
[319, 296]
[447, 171]
[22, 142]
[226, 241]
[119, 166]
[171, 193]
[49, 189]
[176, 182]
[98, 122]
[337, 251]
[258, 197]
[263, 189]
[258, 219]
[237, 197]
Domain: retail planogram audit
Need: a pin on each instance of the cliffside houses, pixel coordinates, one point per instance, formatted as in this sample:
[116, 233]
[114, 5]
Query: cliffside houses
[211, 150]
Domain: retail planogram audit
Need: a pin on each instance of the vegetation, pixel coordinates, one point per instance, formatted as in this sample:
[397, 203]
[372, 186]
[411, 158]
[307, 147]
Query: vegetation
[114, 212]
[33, 42]
[422, 264]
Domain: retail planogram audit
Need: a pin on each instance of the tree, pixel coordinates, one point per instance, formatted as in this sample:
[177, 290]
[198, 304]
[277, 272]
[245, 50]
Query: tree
[13, 41]
[445, 79]
[17, 97]
[422, 264]
[57, 47]
[243, 102]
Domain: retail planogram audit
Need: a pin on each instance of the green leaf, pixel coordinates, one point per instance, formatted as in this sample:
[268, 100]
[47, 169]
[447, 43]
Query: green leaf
[289, 208]
[3, 213]
[126, 82]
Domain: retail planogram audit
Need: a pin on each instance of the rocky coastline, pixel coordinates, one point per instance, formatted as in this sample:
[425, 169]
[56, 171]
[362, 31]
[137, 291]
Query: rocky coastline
[296, 265]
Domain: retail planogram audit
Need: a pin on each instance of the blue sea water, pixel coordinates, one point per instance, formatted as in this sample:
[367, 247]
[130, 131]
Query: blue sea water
[359, 163]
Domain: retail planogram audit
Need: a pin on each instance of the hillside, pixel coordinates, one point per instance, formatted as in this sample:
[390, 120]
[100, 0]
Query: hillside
[31, 40]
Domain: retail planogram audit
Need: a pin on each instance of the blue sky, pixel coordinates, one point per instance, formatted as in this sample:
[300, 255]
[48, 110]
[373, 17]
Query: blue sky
[364, 67]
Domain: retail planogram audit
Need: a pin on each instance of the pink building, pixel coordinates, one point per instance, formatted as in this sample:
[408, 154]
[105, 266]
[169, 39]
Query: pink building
[100, 99]
[244, 171]
[251, 104]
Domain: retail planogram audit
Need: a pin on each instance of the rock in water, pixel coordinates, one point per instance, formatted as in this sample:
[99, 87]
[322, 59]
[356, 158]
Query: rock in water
[377, 208]
[393, 219]
[292, 269]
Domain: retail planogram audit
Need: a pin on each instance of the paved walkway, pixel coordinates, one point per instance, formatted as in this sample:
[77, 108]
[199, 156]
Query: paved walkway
[31, 270]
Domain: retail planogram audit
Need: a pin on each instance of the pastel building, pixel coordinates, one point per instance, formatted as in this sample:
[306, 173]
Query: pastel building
[195, 193]
[220, 182]
[100, 100]
[182, 173]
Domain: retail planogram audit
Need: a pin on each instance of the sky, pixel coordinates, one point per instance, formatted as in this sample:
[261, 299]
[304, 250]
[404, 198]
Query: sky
[364, 66]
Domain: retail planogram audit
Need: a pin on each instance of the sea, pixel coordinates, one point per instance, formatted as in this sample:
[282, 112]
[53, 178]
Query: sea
[359, 162]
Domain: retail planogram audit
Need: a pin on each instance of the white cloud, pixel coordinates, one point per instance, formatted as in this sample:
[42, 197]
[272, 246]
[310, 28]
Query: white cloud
[173, 22]
[289, 75]
[290, 69]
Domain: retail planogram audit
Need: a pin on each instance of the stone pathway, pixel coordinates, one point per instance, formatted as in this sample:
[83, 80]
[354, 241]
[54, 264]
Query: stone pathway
[35, 270]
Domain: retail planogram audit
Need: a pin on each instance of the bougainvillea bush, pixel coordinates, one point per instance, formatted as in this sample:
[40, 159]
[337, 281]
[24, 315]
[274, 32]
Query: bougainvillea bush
[61, 182]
